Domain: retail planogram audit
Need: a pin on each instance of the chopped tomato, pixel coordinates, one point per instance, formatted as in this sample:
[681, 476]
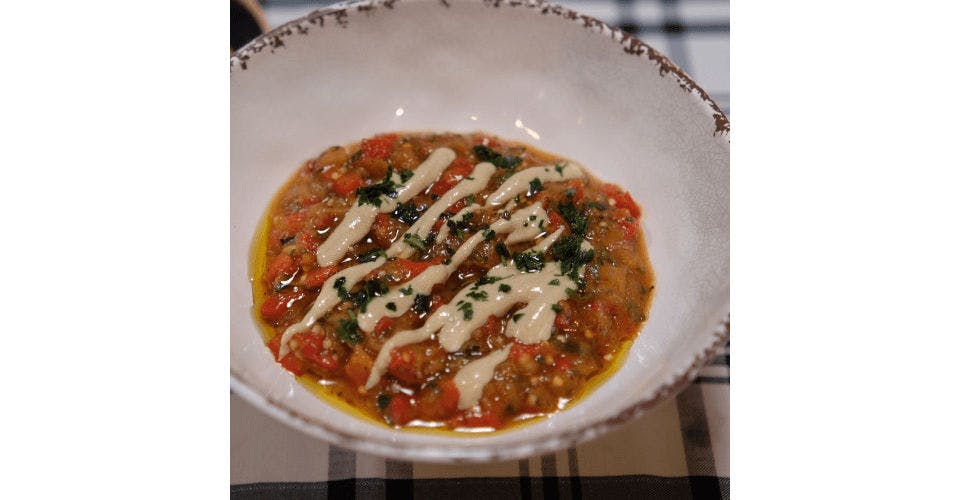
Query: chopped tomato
[457, 170]
[347, 183]
[629, 227]
[293, 363]
[277, 304]
[518, 351]
[282, 265]
[486, 418]
[308, 240]
[413, 268]
[403, 366]
[310, 346]
[317, 277]
[400, 409]
[563, 362]
[562, 321]
[274, 345]
[358, 367]
[378, 147]
[449, 396]
[577, 186]
[621, 199]
[492, 327]
[385, 230]
[435, 302]
[556, 220]
[295, 222]
[383, 325]
[310, 200]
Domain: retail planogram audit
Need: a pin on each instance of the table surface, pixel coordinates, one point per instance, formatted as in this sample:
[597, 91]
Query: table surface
[678, 450]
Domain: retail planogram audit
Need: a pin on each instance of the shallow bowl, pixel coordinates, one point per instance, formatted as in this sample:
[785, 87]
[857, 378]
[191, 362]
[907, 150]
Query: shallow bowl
[529, 71]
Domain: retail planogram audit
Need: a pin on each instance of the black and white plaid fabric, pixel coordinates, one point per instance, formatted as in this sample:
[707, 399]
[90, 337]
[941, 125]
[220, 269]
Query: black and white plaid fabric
[681, 449]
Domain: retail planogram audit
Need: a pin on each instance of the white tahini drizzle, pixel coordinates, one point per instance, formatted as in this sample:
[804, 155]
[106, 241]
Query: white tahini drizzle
[327, 299]
[520, 228]
[357, 221]
[530, 325]
[471, 379]
[520, 181]
[474, 183]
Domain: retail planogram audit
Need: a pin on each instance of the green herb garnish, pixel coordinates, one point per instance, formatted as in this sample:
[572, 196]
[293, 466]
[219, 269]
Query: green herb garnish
[383, 400]
[509, 163]
[480, 296]
[502, 250]
[504, 287]
[405, 175]
[372, 255]
[407, 291]
[414, 241]
[529, 261]
[371, 194]
[556, 308]
[516, 317]
[535, 186]
[406, 213]
[347, 330]
[421, 303]
[574, 216]
[467, 309]
[391, 306]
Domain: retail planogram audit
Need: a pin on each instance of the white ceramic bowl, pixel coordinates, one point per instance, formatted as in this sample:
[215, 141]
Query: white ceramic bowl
[529, 71]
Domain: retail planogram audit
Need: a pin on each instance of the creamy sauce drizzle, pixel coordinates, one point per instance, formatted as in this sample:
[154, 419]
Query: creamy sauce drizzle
[357, 221]
[471, 379]
[327, 300]
[531, 324]
[452, 324]
[402, 297]
[520, 182]
[474, 183]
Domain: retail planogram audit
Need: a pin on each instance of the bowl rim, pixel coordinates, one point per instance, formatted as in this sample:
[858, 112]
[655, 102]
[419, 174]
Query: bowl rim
[720, 334]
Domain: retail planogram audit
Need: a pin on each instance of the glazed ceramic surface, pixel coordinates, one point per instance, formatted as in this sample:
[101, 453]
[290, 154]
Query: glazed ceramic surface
[529, 71]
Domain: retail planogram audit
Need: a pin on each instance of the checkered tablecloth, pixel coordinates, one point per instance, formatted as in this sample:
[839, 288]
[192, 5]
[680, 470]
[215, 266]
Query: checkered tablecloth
[681, 449]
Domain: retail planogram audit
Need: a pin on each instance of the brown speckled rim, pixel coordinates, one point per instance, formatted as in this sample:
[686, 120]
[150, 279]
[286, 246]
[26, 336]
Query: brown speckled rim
[337, 15]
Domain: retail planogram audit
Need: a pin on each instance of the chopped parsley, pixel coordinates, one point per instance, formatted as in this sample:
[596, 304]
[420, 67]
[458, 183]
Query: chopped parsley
[469, 200]
[504, 287]
[414, 241]
[556, 308]
[371, 194]
[342, 292]
[485, 280]
[532, 218]
[407, 291]
[502, 250]
[372, 255]
[383, 401]
[421, 303]
[368, 291]
[405, 175]
[467, 309]
[391, 306]
[406, 213]
[459, 227]
[347, 330]
[559, 168]
[516, 317]
[568, 252]
[480, 296]
[488, 234]
[536, 185]
[529, 261]
[574, 216]
[507, 162]
[555, 282]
